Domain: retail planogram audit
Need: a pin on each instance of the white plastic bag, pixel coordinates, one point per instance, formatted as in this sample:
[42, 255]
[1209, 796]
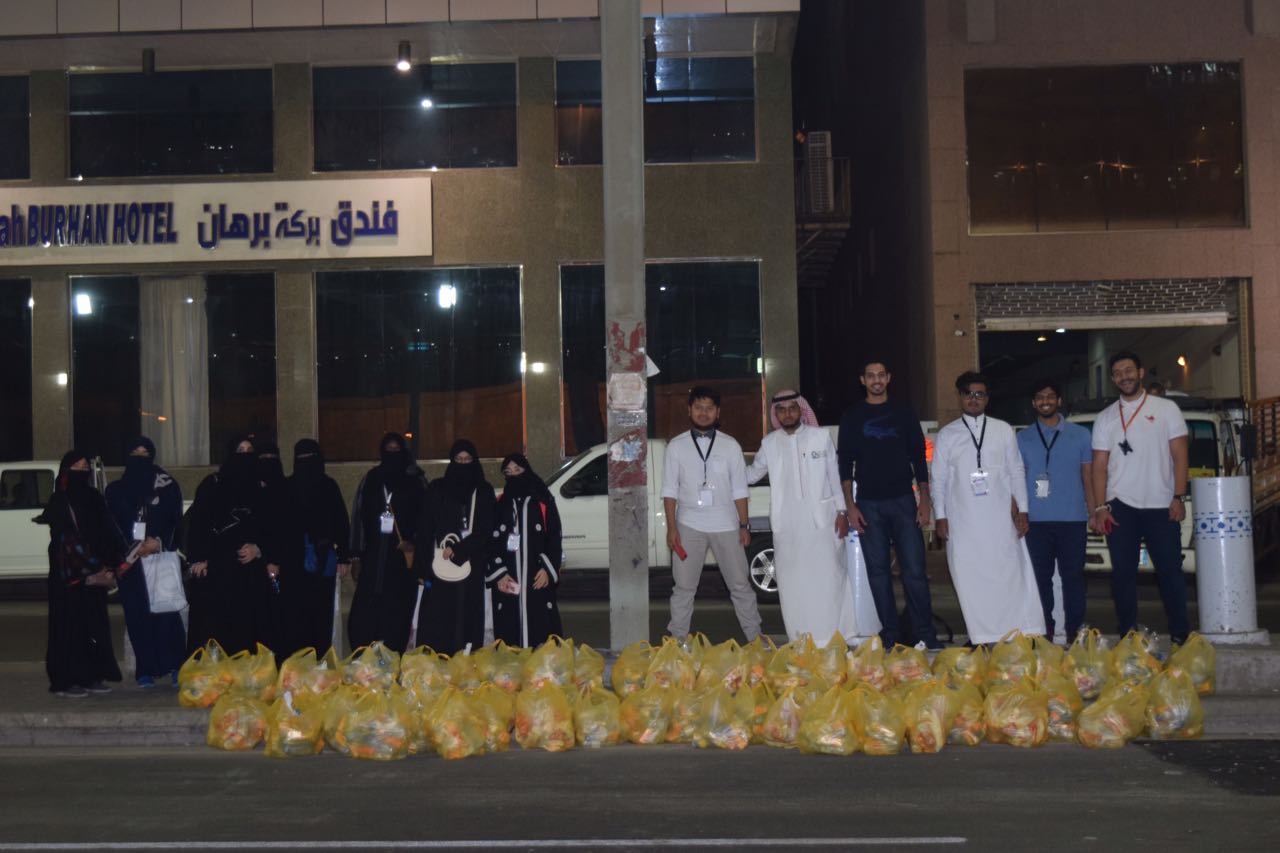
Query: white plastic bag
[163, 573]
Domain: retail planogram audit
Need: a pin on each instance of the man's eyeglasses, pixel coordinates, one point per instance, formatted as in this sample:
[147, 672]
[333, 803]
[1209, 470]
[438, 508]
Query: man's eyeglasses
[974, 395]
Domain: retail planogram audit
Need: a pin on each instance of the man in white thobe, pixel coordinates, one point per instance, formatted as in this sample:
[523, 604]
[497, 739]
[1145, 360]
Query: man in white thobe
[808, 519]
[980, 503]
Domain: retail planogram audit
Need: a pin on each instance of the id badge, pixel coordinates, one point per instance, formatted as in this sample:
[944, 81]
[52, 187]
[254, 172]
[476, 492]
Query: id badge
[705, 496]
[513, 542]
[978, 479]
[1042, 486]
[387, 522]
[139, 531]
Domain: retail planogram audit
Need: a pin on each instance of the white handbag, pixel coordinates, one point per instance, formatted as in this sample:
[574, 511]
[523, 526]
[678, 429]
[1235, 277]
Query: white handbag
[163, 574]
[446, 569]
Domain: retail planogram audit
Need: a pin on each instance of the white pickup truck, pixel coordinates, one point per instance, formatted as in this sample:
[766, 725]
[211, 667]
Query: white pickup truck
[25, 488]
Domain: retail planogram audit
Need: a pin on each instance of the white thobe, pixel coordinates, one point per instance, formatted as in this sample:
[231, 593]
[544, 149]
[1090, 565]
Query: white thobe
[808, 558]
[989, 562]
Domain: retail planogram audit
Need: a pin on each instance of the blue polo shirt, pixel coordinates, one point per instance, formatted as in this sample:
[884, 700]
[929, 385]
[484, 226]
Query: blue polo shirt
[1071, 449]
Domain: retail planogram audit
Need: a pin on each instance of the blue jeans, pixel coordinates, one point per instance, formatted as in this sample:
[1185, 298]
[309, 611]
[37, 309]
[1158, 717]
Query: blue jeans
[1163, 544]
[1060, 544]
[893, 522]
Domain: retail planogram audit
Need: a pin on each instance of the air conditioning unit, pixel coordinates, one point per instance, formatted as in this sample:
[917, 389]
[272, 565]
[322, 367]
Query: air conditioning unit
[819, 172]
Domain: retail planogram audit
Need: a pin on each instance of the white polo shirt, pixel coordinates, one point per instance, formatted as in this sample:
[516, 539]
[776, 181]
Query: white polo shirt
[726, 478]
[1142, 478]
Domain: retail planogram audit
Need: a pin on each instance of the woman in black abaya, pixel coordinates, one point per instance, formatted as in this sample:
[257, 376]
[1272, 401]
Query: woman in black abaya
[524, 564]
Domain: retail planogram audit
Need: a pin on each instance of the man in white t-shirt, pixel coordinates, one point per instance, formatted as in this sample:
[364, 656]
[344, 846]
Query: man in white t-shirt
[1140, 470]
[704, 491]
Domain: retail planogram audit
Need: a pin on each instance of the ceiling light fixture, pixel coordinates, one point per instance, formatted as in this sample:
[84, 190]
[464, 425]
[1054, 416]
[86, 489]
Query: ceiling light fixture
[405, 60]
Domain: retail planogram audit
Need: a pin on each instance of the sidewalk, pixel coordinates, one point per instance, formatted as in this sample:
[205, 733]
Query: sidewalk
[1247, 704]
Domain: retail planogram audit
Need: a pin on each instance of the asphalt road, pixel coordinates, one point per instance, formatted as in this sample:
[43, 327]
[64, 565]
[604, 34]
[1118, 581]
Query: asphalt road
[1188, 796]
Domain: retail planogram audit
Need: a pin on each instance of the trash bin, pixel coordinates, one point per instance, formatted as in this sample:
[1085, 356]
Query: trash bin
[1222, 515]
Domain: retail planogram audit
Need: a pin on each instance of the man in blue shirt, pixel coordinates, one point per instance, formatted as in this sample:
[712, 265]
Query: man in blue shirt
[1059, 462]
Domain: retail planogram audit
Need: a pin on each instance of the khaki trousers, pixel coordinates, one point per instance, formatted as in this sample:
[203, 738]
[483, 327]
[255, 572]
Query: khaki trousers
[732, 560]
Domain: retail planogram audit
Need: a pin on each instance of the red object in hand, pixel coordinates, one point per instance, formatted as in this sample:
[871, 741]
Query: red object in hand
[681, 553]
[1108, 526]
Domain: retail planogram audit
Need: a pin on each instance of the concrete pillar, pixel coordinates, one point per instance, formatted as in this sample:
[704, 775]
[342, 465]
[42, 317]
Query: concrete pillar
[50, 357]
[296, 375]
[293, 156]
[48, 128]
[621, 49]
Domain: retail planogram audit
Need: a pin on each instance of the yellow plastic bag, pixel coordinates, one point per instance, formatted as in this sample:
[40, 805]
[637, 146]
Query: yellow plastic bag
[630, 668]
[1088, 663]
[588, 668]
[254, 673]
[463, 673]
[237, 722]
[793, 665]
[1132, 657]
[544, 719]
[756, 655]
[968, 726]
[866, 664]
[337, 706]
[378, 726]
[596, 720]
[204, 677]
[722, 664]
[645, 715]
[1017, 714]
[762, 700]
[500, 665]
[373, 666]
[303, 674]
[1011, 661]
[723, 719]
[958, 663]
[293, 732]
[1065, 703]
[929, 710]
[1174, 710]
[1198, 659]
[695, 646]
[684, 715]
[827, 727]
[498, 708]
[1049, 655]
[1116, 718]
[408, 704]
[671, 666]
[457, 728]
[550, 664]
[424, 671]
[782, 722]
[879, 721]
[832, 663]
[907, 665]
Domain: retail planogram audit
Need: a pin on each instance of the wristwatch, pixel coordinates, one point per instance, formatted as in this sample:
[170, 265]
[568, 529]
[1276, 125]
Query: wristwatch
[744, 526]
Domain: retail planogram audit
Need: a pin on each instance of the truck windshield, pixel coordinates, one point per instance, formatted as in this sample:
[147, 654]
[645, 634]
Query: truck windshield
[560, 472]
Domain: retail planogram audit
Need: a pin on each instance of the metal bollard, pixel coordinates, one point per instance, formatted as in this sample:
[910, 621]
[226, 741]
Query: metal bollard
[1222, 512]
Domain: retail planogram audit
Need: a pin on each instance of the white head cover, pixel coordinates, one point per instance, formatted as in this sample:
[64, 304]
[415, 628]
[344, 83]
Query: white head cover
[807, 417]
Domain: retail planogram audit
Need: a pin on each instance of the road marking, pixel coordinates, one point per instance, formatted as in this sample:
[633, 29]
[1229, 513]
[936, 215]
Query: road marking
[515, 843]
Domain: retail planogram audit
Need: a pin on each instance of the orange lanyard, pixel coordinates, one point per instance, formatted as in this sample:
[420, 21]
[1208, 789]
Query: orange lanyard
[1124, 425]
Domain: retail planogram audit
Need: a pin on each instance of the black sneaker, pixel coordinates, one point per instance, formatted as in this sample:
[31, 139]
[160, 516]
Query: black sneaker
[75, 691]
[97, 687]
[934, 645]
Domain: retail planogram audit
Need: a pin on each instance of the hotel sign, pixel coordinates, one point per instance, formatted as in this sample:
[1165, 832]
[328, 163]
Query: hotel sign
[225, 221]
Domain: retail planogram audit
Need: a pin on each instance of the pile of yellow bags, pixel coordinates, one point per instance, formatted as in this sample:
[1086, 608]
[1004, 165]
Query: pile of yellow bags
[832, 700]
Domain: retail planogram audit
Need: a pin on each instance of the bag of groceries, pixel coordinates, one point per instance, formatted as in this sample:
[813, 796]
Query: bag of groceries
[373, 666]
[879, 722]
[378, 726]
[295, 729]
[302, 674]
[463, 672]
[550, 664]
[827, 727]
[204, 677]
[1088, 662]
[1065, 703]
[1049, 655]
[424, 671]
[498, 708]
[722, 664]
[866, 664]
[544, 718]
[1133, 657]
[724, 720]
[237, 722]
[782, 722]
[1017, 714]
[907, 664]
[254, 673]
[1011, 661]
[1198, 659]
[408, 705]
[645, 715]
[793, 665]
[756, 655]
[588, 668]
[1174, 710]
[630, 668]
[762, 700]
[499, 665]
[968, 726]
[1116, 718]
[456, 727]
[337, 705]
[684, 715]
[832, 662]
[959, 663]
[596, 719]
[929, 710]
[671, 666]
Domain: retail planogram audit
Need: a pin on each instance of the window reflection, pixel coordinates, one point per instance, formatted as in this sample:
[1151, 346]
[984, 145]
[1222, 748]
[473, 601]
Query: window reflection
[1097, 148]
[15, 369]
[15, 133]
[434, 353]
[703, 329]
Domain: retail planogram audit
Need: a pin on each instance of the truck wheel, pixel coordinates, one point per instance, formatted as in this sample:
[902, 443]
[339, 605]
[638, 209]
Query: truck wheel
[760, 568]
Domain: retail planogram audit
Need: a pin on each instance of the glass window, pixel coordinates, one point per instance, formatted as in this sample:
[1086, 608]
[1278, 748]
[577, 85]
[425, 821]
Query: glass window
[171, 123]
[15, 369]
[696, 110]
[15, 130]
[25, 488]
[445, 116]
[188, 361]
[704, 329]
[433, 353]
[1202, 448]
[591, 481]
[1099, 148]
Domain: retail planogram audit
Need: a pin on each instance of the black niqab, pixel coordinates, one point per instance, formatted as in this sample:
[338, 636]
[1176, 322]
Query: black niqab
[461, 478]
[270, 468]
[526, 485]
[139, 478]
[238, 475]
[394, 464]
[78, 485]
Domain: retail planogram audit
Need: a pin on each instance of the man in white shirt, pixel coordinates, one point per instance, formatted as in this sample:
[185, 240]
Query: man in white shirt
[704, 491]
[1140, 470]
[808, 521]
[980, 502]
